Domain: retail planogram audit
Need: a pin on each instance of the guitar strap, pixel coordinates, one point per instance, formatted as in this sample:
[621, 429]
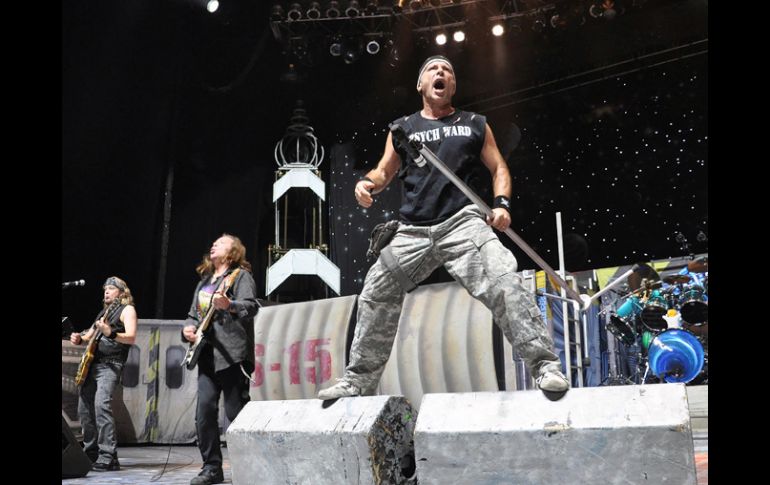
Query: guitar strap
[223, 286]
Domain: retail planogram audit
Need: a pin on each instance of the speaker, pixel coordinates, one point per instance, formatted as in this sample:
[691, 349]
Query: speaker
[629, 435]
[351, 441]
[74, 461]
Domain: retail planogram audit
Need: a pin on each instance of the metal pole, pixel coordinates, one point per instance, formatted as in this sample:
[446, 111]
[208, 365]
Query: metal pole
[564, 307]
[428, 155]
[578, 339]
[160, 293]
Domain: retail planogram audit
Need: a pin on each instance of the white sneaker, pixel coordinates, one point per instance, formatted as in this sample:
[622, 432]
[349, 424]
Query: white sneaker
[552, 381]
[342, 388]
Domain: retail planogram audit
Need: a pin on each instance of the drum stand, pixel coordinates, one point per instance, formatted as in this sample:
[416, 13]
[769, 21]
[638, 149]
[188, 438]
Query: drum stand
[615, 376]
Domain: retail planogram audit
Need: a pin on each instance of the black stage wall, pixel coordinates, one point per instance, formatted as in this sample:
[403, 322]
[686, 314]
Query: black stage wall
[153, 89]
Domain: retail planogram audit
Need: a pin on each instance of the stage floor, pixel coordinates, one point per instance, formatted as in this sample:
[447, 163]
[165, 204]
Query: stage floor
[177, 465]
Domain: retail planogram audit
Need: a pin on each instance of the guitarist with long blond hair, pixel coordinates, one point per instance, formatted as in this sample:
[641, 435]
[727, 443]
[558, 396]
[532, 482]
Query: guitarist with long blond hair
[109, 340]
[220, 330]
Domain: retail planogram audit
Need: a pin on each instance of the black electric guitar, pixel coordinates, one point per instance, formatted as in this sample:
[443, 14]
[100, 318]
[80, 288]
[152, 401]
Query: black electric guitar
[194, 351]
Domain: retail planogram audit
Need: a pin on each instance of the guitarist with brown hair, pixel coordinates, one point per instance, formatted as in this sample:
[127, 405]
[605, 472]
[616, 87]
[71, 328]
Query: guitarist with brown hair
[108, 339]
[220, 330]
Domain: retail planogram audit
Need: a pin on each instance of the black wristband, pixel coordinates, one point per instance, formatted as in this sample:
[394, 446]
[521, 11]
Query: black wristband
[112, 335]
[366, 179]
[502, 202]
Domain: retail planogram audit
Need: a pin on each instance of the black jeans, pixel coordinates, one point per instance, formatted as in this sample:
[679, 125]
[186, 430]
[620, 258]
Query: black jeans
[235, 387]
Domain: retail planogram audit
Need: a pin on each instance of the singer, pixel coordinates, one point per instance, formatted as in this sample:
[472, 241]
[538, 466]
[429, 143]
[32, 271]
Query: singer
[440, 226]
[112, 334]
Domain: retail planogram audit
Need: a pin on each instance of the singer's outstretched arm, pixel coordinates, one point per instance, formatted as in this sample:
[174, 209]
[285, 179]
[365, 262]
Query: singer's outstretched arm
[380, 176]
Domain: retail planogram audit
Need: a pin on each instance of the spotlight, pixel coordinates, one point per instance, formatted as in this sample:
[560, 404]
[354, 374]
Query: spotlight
[353, 9]
[458, 36]
[398, 6]
[441, 38]
[295, 11]
[498, 30]
[607, 9]
[415, 4]
[558, 21]
[212, 6]
[371, 6]
[372, 47]
[314, 11]
[333, 9]
[335, 48]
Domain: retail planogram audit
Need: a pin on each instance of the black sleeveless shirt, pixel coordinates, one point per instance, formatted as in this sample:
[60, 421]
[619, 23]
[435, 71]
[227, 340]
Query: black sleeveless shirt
[109, 349]
[428, 196]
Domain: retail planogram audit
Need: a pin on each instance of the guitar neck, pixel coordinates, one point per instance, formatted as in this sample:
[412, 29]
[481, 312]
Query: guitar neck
[98, 333]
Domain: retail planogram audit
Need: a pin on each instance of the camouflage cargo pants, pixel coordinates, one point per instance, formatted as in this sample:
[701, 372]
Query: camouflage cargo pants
[474, 256]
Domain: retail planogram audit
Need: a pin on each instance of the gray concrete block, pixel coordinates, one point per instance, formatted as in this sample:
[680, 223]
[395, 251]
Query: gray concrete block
[609, 435]
[362, 440]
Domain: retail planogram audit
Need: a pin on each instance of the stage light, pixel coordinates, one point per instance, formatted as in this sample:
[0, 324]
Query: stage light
[353, 9]
[333, 9]
[606, 9]
[441, 38]
[458, 36]
[498, 30]
[558, 21]
[398, 6]
[212, 6]
[314, 11]
[372, 47]
[371, 6]
[295, 11]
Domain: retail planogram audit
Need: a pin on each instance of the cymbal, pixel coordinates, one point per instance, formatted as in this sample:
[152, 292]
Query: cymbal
[649, 286]
[673, 279]
[644, 271]
[700, 265]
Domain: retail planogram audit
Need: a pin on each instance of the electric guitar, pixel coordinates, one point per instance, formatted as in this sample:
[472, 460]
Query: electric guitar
[90, 352]
[194, 351]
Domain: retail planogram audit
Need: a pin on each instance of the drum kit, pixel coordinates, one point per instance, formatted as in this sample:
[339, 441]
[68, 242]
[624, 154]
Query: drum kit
[665, 322]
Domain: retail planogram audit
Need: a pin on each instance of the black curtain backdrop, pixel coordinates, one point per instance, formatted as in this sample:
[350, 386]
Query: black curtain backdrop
[150, 88]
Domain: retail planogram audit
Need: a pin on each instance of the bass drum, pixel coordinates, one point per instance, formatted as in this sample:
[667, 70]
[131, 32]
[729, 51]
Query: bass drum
[676, 356]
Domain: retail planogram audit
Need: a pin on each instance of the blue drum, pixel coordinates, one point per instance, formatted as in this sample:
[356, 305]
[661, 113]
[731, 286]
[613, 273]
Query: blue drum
[631, 307]
[676, 356]
[694, 304]
[654, 309]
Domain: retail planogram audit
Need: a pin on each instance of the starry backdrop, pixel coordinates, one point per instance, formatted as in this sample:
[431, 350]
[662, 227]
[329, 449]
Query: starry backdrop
[605, 122]
[621, 154]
